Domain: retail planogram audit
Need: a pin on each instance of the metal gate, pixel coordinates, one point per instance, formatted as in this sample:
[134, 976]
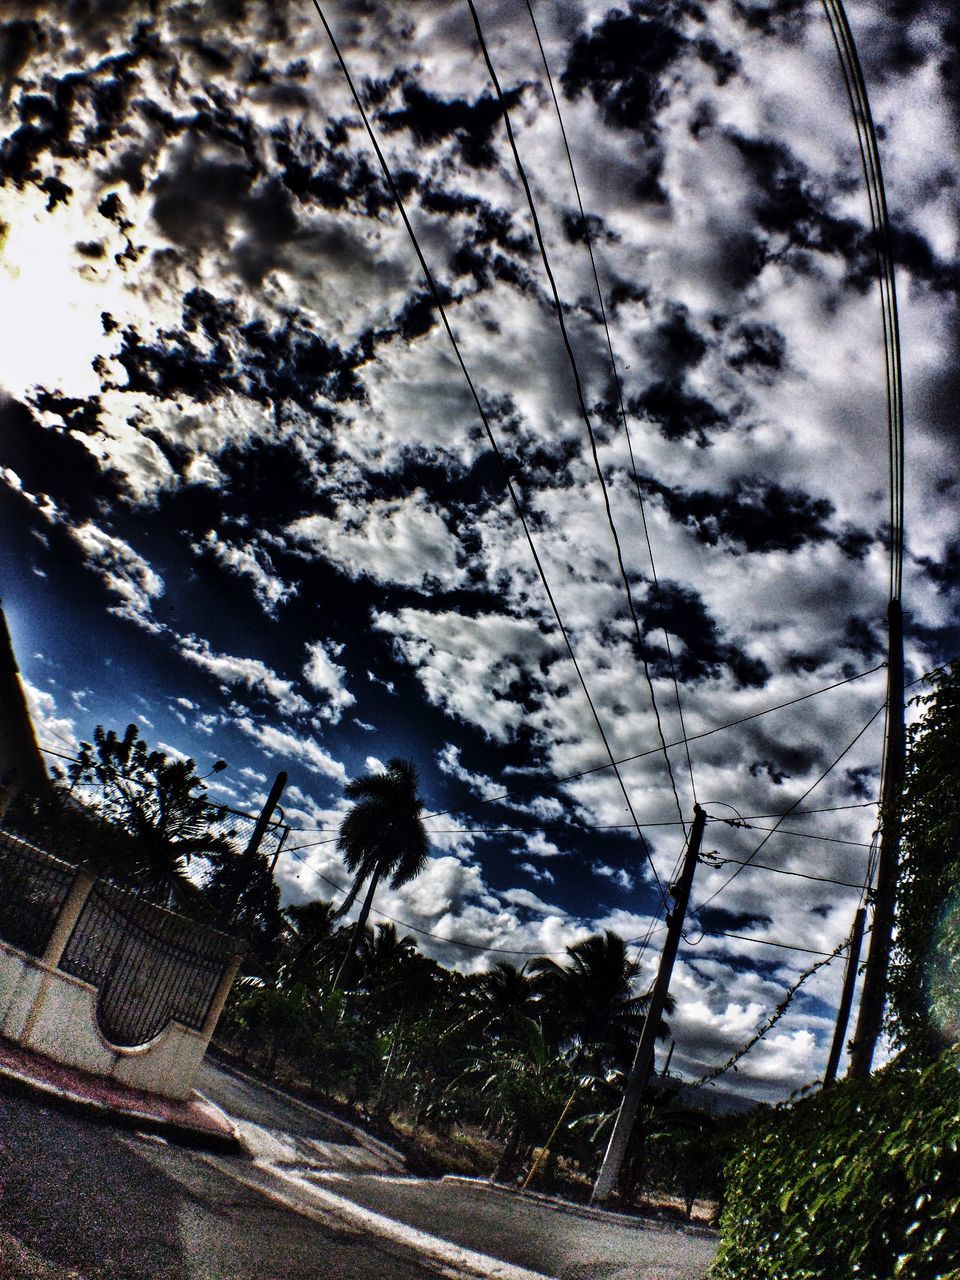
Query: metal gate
[150, 967]
[33, 888]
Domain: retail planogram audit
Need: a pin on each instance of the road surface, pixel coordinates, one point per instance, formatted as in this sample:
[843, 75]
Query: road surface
[313, 1203]
[114, 1206]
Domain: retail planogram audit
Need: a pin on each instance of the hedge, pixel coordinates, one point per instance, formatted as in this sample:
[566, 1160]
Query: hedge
[858, 1182]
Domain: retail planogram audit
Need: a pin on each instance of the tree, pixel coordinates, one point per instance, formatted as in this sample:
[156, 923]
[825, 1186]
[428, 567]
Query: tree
[924, 1007]
[309, 944]
[592, 1002]
[504, 998]
[158, 802]
[381, 834]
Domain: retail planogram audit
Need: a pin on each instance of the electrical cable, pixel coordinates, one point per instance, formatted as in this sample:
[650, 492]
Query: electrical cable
[578, 388]
[767, 942]
[715, 1072]
[859, 101]
[442, 311]
[790, 810]
[714, 860]
[588, 240]
[743, 825]
[652, 751]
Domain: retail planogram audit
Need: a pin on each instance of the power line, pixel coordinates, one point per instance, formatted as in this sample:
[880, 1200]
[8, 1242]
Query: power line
[578, 387]
[767, 942]
[859, 102]
[771, 1022]
[787, 812]
[442, 310]
[716, 861]
[802, 835]
[805, 813]
[588, 240]
[652, 751]
[575, 829]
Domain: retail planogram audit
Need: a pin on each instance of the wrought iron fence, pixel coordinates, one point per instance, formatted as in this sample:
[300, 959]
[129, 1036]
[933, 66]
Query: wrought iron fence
[33, 889]
[149, 966]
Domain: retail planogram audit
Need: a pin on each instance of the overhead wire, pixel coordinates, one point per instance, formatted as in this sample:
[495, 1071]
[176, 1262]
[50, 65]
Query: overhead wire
[488, 430]
[578, 388]
[507, 793]
[714, 860]
[830, 767]
[858, 98]
[588, 240]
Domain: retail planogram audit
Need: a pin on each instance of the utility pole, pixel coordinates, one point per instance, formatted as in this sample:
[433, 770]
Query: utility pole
[247, 861]
[846, 997]
[870, 1017]
[643, 1059]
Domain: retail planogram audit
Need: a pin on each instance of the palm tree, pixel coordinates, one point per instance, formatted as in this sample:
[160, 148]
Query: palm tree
[309, 944]
[503, 997]
[381, 834]
[591, 1000]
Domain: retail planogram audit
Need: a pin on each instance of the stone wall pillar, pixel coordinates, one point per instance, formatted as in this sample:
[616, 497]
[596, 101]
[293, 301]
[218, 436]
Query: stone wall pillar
[68, 917]
[220, 996]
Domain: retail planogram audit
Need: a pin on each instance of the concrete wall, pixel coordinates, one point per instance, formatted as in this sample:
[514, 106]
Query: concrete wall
[55, 1014]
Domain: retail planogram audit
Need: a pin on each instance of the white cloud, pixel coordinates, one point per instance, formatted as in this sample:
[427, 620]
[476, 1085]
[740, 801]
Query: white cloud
[247, 560]
[124, 573]
[622, 879]
[538, 873]
[249, 673]
[402, 541]
[327, 677]
[53, 730]
[286, 744]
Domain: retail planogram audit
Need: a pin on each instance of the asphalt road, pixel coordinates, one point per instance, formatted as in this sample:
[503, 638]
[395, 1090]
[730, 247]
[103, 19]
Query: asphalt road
[528, 1234]
[114, 1206]
[104, 1204]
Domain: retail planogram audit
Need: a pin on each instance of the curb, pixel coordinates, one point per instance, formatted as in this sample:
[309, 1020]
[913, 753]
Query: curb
[556, 1205]
[364, 1139]
[198, 1137]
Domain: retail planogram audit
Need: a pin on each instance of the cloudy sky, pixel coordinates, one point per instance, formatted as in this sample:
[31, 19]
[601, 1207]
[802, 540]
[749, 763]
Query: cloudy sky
[249, 502]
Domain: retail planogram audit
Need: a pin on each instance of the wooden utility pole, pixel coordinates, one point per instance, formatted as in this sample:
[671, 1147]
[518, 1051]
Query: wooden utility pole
[247, 861]
[870, 1017]
[643, 1059]
[846, 997]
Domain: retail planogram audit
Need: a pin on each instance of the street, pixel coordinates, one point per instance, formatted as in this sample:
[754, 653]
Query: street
[311, 1202]
[115, 1206]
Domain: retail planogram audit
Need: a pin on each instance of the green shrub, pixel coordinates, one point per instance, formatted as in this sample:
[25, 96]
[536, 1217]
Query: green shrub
[858, 1182]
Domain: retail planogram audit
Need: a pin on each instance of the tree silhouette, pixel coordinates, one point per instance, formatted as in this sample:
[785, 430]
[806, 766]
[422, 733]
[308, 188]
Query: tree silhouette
[381, 834]
[591, 1001]
[158, 802]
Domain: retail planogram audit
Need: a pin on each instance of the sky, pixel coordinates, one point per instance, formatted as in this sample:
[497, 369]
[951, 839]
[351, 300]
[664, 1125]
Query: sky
[249, 502]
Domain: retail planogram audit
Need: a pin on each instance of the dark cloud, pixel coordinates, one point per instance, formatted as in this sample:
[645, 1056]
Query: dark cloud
[73, 116]
[755, 515]
[50, 460]
[758, 347]
[215, 351]
[620, 62]
[784, 19]
[945, 572]
[678, 412]
[432, 119]
[705, 655]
